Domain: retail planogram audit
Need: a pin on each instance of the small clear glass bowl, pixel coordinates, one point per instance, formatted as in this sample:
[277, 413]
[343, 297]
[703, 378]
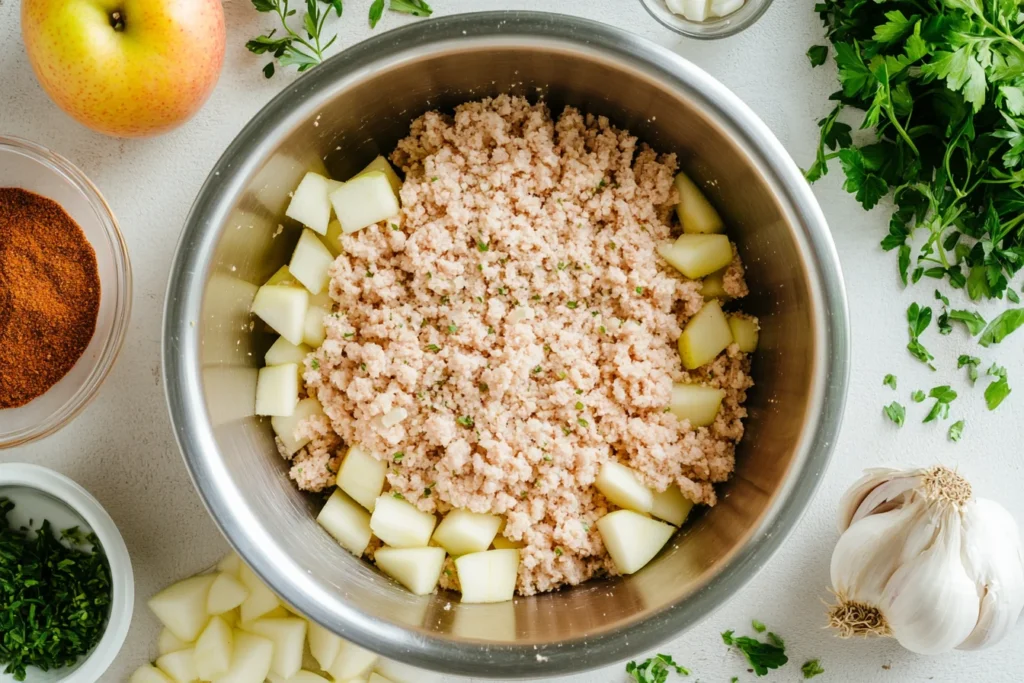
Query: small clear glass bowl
[34, 168]
[719, 27]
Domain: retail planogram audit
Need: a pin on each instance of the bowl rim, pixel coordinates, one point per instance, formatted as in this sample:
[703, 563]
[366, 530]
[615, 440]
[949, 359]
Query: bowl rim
[122, 577]
[516, 30]
[720, 27]
[122, 285]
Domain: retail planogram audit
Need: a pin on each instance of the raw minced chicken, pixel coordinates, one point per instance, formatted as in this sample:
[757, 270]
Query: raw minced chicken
[518, 312]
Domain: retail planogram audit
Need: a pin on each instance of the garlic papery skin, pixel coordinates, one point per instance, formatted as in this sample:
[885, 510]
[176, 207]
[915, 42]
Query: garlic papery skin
[922, 561]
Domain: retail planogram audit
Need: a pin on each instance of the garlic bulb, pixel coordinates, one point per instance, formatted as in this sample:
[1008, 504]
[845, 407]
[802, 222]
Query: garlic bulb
[923, 561]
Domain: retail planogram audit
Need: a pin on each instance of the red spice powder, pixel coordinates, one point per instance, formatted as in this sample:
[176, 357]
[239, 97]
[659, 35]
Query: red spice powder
[49, 295]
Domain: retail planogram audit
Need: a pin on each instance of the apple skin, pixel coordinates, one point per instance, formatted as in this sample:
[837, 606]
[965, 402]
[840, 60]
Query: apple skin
[145, 79]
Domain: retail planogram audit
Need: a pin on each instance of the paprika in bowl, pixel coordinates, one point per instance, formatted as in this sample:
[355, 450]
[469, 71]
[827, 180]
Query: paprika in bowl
[65, 291]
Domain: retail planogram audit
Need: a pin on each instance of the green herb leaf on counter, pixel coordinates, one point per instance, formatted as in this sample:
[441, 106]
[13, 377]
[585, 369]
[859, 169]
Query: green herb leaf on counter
[655, 669]
[943, 396]
[761, 656]
[758, 626]
[974, 322]
[1006, 324]
[811, 668]
[918, 396]
[889, 381]
[1012, 295]
[376, 12]
[918, 319]
[817, 55]
[972, 363]
[417, 8]
[895, 412]
[997, 390]
[956, 430]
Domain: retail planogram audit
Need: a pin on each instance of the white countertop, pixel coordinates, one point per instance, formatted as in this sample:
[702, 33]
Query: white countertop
[122, 449]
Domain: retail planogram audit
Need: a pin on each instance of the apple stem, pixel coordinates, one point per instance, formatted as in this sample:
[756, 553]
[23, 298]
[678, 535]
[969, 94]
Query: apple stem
[117, 20]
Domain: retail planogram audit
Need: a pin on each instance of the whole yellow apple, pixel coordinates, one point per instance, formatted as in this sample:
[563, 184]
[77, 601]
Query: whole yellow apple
[126, 67]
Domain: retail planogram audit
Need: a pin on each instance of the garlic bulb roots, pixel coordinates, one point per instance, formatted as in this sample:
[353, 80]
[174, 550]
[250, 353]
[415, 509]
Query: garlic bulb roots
[923, 561]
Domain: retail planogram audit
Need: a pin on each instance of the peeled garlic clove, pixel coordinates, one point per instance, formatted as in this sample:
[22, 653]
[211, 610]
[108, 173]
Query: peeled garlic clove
[930, 603]
[867, 555]
[855, 495]
[993, 559]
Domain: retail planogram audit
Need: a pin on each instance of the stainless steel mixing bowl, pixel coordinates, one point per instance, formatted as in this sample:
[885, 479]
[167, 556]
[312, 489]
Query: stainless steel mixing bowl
[357, 105]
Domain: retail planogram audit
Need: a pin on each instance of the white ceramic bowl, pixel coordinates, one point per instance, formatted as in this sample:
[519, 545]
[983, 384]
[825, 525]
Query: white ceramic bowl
[39, 493]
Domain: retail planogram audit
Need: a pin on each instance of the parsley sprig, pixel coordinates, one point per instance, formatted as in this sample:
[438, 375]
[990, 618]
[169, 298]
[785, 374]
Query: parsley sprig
[291, 48]
[655, 669]
[761, 656]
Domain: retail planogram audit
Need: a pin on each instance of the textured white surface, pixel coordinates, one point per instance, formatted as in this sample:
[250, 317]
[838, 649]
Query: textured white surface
[121, 448]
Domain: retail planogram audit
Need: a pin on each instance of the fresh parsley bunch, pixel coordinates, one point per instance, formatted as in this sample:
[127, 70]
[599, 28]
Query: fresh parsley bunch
[942, 84]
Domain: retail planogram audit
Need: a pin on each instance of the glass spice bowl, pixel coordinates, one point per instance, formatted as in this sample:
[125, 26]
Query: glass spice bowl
[718, 27]
[34, 168]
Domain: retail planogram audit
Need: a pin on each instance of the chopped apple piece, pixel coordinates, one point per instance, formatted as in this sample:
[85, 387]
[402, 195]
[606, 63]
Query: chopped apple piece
[261, 599]
[251, 660]
[462, 532]
[695, 212]
[361, 476]
[226, 593]
[352, 662]
[300, 677]
[502, 543]
[364, 200]
[705, 336]
[283, 308]
[489, 576]
[283, 351]
[179, 666]
[314, 332]
[309, 204]
[620, 485]
[323, 645]
[384, 166]
[632, 539]
[285, 427]
[698, 255]
[289, 638]
[149, 674]
[400, 524]
[713, 286]
[671, 506]
[283, 276]
[332, 240]
[311, 262]
[213, 650]
[347, 521]
[230, 564]
[182, 607]
[167, 642]
[696, 403]
[418, 569]
[745, 332]
[277, 390]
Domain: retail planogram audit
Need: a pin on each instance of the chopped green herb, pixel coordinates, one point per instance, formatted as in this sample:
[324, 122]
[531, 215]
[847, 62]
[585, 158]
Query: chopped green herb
[1012, 295]
[761, 656]
[581, 422]
[397, 457]
[482, 386]
[452, 329]
[535, 297]
[602, 329]
[502, 291]
[817, 54]
[362, 366]
[972, 320]
[561, 265]
[571, 304]
[1004, 325]
[939, 296]
[558, 551]
[943, 396]
[895, 412]
[417, 8]
[919, 319]
[465, 421]
[639, 290]
[444, 300]
[579, 391]
[579, 405]
[314, 363]
[655, 669]
[758, 626]
[426, 491]
[890, 381]
[999, 389]
[394, 226]
[811, 668]
[432, 348]
[918, 396]
[433, 179]
[483, 246]
[972, 363]
[349, 335]
[956, 430]
[537, 370]
[490, 330]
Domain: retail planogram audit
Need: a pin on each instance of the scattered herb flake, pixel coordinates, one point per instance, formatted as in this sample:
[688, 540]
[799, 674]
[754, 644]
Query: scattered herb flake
[758, 626]
[811, 668]
[655, 670]
[465, 421]
[974, 322]
[943, 396]
[817, 55]
[918, 396]
[895, 412]
[571, 305]
[397, 457]
[972, 363]
[956, 430]
[1004, 325]
[890, 381]
[432, 348]
[761, 656]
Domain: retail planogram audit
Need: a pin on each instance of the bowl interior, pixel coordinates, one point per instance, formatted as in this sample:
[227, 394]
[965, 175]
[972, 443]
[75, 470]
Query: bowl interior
[716, 27]
[33, 168]
[341, 116]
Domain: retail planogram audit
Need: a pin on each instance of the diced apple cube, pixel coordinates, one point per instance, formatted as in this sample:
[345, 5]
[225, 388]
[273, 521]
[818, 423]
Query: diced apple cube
[364, 200]
[503, 543]
[285, 427]
[283, 276]
[261, 599]
[226, 593]
[251, 660]
[300, 677]
[713, 285]
[230, 564]
[283, 351]
[418, 569]
[323, 645]
[179, 666]
[489, 576]
[381, 164]
[632, 539]
[167, 642]
[289, 638]
[698, 255]
[347, 522]
[283, 308]
[314, 332]
[745, 332]
[149, 674]
[277, 390]
[462, 532]
[311, 262]
[352, 662]
[182, 606]
[361, 476]
[671, 506]
[332, 240]
[695, 212]
[620, 485]
[213, 650]
[400, 524]
[309, 204]
[696, 403]
[705, 336]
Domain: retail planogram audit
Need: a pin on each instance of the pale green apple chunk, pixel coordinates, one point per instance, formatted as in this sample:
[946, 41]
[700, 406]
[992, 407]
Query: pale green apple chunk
[697, 255]
[311, 262]
[213, 650]
[347, 522]
[288, 634]
[277, 390]
[314, 331]
[489, 576]
[286, 427]
[695, 212]
[260, 601]
[418, 569]
[284, 309]
[745, 332]
[283, 351]
[672, 506]
[696, 403]
[310, 205]
[226, 593]
[332, 240]
[384, 166]
[713, 285]
[401, 524]
[283, 276]
[182, 607]
[632, 539]
[179, 666]
[149, 674]
[364, 200]
[705, 336]
[621, 486]
[352, 662]
[462, 532]
[250, 659]
[323, 645]
[361, 476]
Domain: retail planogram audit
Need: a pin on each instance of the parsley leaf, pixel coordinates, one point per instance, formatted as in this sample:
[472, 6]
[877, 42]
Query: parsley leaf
[761, 656]
[376, 12]
[943, 395]
[972, 363]
[974, 322]
[956, 430]
[417, 8]
[811, 668]
[890, 381]
[918, 319]
[655, 669]
[1005, 324]
[817, 54]
[895, 412]
[997, 390]
[918, 396]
